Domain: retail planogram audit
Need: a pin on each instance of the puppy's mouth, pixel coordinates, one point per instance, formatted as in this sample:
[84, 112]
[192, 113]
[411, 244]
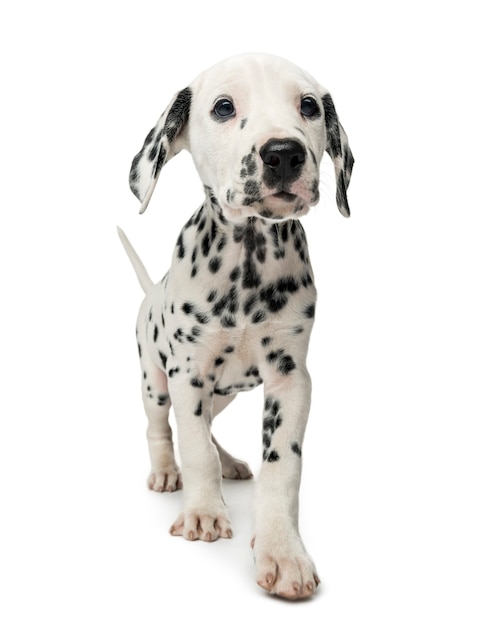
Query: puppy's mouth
[278, 205]
[284, 196]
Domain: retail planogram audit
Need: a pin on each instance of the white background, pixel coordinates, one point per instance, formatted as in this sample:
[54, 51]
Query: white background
[394, 503]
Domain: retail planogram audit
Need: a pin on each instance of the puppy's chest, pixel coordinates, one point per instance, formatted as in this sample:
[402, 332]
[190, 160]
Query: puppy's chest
[231, 287]
[240, 274]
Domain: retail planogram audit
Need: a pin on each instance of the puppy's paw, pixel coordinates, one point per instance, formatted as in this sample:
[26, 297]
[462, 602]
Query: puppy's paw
[193, 525]
[284, 568]
[235, 469]
[167, 479]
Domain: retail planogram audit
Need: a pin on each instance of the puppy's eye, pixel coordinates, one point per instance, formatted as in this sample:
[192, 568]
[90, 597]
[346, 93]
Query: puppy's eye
[309, 107]
[224, 109]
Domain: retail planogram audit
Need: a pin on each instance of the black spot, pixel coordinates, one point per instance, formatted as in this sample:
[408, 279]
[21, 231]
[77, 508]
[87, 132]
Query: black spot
[274, 299]
[153, 153]
[232, 301]
[198, 409]
[272, 405]
[249, 304]
[252, 188]
[298, 330]
[228, 321]
[162, 399]
[221, 243]
[214, 264]
[226, 391]
[258, 316]
[155, 334]
[181, 247]
[310, 310]
[265, 341]
[213, 231]
[261, 254]
[295, 447]
[279, 253]
[187, 308]
[242, 124]
[235, 274]
[212, 296]
[206, 245]
[286, 364]
[271, 457]
[252, 371]
[238, 233]
[173, 371]
[218, 361]
[194, 254]
[197, 382]
[220, 305]
[267, 440]
[194, 271]
[201, 225]
[284, 232]
[196, 332]
[287, 284]
[251, 277]
[202, 318]
[306, 280]
[164, 359]
[139, 350]
[229, 349]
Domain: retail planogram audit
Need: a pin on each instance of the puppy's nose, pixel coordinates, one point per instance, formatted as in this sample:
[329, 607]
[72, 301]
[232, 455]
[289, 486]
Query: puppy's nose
[283, 159]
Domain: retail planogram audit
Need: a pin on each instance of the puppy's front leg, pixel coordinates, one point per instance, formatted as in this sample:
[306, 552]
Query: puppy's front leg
[283, 565]
[204, 514]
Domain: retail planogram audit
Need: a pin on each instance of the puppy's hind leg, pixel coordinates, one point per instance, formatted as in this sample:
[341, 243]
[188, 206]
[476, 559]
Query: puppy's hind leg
[165, 474]
[232, 468]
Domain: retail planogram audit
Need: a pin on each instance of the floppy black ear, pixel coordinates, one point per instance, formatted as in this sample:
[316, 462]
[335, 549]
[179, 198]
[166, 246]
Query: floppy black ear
[338, 149]
[163, 142]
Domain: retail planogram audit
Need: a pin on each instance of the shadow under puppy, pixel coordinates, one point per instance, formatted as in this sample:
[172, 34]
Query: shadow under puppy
[236, 308]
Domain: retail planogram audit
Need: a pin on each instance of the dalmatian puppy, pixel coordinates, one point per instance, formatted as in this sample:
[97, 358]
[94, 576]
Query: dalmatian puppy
[236, 308]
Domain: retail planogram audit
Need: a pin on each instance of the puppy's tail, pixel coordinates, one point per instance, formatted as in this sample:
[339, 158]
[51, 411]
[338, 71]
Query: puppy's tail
[143, 276]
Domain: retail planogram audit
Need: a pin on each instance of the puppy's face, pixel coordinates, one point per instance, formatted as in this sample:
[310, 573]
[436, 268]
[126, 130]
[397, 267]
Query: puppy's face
[257, 134]
[257, 127]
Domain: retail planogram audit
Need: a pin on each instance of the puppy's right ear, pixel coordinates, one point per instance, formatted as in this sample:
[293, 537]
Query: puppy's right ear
[163, 142]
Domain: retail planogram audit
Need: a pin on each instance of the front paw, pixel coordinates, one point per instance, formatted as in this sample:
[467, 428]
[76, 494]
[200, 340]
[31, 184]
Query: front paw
[284, 568]
[193, 525]
[167, 479]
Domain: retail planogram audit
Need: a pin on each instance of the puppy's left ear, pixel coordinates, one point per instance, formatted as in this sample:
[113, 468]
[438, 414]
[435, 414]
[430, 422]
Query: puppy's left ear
[338, 149]
[163, 142]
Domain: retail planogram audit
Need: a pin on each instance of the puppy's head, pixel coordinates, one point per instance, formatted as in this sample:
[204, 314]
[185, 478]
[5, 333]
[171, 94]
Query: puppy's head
[257, 127]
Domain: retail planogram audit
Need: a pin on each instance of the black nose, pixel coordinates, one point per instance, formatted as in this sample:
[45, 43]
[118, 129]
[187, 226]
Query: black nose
[283, 159]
